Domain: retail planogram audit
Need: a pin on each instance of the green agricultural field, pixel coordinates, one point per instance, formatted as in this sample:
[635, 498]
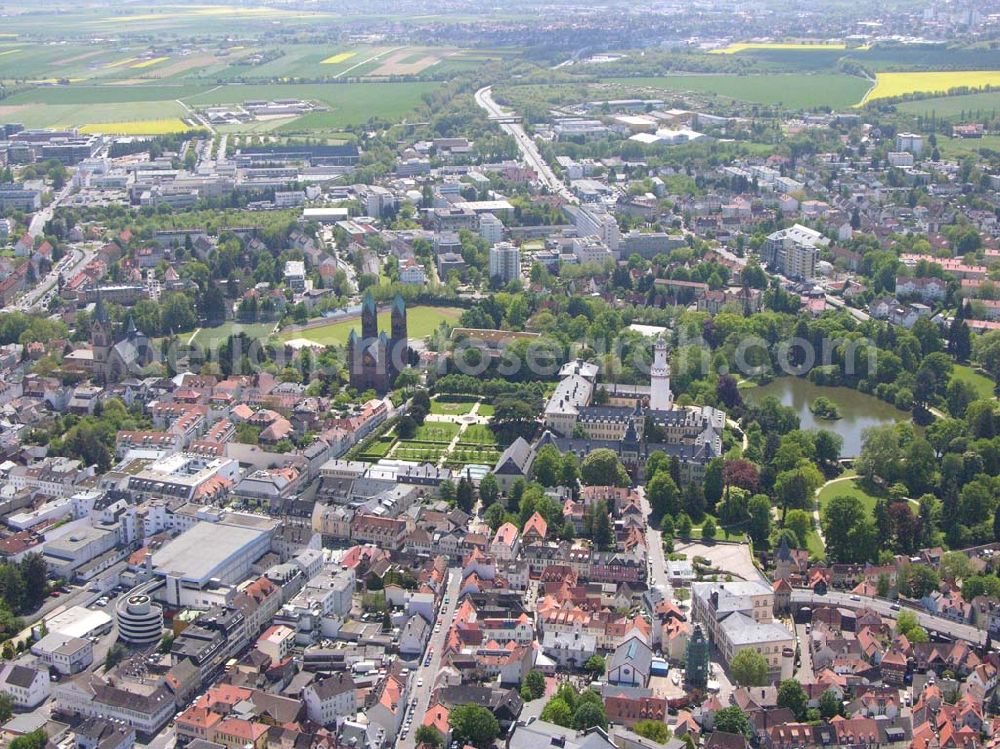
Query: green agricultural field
[78, 115]
[91, 95]
[349, 103]
[982, 383]
[186, 20]
[421, 322]
[789, 90]
[304, 61]
[957, 148]
[966, 106]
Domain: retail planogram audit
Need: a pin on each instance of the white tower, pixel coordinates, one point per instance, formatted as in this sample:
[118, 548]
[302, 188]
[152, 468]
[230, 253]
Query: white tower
[660, 397]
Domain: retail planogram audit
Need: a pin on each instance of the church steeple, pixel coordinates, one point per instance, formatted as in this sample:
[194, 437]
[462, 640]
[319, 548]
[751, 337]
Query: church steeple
[369, 317]
[398, 322]
[100, 331]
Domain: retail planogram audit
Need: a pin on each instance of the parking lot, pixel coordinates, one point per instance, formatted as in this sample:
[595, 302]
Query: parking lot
[731, 558]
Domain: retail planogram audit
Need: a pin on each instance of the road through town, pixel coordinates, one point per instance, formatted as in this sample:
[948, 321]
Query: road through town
[525, 143]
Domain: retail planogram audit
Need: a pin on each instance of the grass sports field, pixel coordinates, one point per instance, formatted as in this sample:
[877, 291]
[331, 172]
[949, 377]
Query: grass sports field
[218, 334]
[733, 49]
[790, 90]
[888, 85]
[421, 322]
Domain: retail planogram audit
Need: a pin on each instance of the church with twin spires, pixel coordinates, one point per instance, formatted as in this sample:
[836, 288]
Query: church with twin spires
[375, 359]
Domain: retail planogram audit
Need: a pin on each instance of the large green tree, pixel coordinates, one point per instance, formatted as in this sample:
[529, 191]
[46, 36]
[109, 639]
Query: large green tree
[849, 530]
[603, 468]
[474, 725]
[733, 720]
[749, 668]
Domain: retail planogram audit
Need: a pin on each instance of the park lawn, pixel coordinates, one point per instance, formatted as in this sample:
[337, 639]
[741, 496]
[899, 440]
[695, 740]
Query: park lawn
[419, 451]
[479, 434]
[888, 85]
[449, 408]
[464, 455]
[218, 334]
[815, 545]
[378, 449]
[850, 488]
[789, 90]
[486, 410]
[433, 431]
[982, 383]
[420, 323]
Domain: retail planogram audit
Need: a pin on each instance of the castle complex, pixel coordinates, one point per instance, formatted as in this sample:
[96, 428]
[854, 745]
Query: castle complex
[691, 433]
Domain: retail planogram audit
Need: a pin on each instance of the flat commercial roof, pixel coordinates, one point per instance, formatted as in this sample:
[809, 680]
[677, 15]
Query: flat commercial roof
[78, 621]
[200, 551]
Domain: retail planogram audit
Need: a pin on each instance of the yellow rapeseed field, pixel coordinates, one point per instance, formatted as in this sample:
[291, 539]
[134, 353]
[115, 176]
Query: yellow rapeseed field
[732, 49]
[9, 52]
[137, 127]
[150, 62]
[118, 64]
[338, 58]
[888, 85]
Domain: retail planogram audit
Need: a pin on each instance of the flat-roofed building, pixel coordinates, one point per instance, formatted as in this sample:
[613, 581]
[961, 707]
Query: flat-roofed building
[64, 653]
[185, 476]
[208, 554]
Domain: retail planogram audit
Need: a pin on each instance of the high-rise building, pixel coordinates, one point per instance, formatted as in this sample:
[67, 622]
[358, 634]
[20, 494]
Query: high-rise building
[505, 262]
[793, 251]
[490, 228]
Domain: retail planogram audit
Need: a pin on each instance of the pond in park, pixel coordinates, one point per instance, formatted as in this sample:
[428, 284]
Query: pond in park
[858, 411]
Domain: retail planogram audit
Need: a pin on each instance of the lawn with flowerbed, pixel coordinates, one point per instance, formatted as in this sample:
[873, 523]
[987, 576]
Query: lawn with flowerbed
[451, 405]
